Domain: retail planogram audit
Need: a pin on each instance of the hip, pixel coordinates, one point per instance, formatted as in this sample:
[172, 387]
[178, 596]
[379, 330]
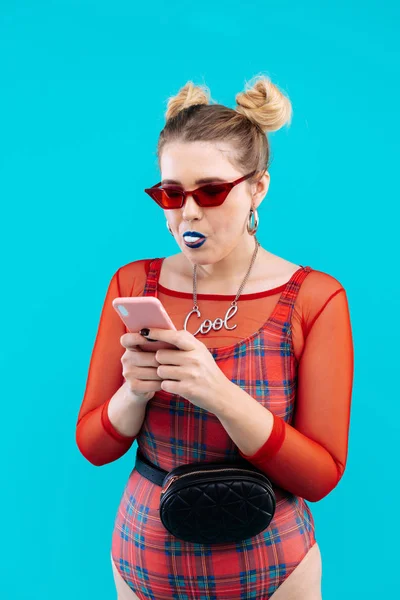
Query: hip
[148, 555]
[303, 582]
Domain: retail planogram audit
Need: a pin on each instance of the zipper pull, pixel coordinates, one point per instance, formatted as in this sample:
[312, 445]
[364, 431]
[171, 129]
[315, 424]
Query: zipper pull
[169, 483]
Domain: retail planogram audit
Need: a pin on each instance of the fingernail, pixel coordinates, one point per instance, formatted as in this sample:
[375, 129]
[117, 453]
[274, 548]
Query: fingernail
[144, 331]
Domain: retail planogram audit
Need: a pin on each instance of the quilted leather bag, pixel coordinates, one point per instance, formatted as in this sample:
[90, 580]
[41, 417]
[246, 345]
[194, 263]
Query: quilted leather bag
[212, 503]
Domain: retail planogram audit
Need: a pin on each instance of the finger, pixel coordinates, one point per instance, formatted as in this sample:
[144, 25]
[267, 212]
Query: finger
[170, 357]
[170, 372]
[138, 358]
[182, 339]
[142, 387]
[142, 373]
[131, 340]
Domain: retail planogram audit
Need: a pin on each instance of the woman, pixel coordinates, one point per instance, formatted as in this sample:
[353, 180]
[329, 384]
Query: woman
[270, 380]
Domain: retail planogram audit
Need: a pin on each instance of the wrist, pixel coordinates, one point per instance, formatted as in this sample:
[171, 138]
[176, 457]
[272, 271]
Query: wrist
[224, 395]
[248, 423]
[124, 413]
[132, 398]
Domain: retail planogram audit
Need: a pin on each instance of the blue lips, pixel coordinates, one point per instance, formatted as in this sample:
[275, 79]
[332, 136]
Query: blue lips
[196, 233]
[197, 244]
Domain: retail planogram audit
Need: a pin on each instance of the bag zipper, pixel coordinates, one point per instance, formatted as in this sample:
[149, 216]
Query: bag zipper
[175, 477]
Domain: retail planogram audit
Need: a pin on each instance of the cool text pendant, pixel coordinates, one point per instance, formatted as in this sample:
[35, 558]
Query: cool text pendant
[217, 324]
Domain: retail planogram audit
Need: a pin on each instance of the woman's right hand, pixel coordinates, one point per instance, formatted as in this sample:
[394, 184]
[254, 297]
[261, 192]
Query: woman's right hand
[139, 368]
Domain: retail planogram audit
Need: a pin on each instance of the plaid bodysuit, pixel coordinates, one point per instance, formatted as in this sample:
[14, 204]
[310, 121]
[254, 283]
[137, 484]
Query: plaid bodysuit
[155, 564]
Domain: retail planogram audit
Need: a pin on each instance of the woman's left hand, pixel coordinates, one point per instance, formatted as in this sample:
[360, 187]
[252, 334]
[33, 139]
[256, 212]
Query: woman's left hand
[199, 379]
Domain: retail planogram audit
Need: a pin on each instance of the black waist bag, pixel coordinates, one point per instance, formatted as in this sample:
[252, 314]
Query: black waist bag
[212, 503]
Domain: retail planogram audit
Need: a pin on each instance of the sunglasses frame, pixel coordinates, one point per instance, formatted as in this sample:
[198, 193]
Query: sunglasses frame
[228, 185]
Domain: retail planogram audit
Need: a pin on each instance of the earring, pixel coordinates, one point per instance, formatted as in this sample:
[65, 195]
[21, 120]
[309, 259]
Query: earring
[252, 228]
[168, 227]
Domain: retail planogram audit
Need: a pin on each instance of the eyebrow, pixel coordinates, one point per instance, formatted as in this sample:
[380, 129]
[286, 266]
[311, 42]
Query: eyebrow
[204, 180]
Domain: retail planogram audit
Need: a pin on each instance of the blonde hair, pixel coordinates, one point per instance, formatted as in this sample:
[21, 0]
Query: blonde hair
[262, 107]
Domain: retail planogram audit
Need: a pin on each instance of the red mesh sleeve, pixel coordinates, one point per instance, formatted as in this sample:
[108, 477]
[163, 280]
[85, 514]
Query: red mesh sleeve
[309, 458]
[96, 437]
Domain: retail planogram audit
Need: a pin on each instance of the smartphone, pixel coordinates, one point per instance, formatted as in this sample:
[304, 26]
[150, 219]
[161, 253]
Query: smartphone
[144, 311]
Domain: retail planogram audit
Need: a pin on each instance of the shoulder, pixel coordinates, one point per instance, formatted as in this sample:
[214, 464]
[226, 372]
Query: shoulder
[132, 276]
[317, 290]
[318, 285]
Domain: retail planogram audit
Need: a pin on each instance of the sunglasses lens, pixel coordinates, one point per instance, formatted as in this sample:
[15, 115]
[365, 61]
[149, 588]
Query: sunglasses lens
[167, 198]
[212, 195]
[208, 195]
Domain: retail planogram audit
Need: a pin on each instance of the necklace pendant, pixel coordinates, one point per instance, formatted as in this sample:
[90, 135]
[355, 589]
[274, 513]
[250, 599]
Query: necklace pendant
[216, 325]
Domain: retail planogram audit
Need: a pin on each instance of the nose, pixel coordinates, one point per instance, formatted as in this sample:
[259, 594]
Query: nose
[190, 209]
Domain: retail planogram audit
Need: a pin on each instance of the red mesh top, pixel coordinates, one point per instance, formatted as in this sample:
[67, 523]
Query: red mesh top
[307, 457]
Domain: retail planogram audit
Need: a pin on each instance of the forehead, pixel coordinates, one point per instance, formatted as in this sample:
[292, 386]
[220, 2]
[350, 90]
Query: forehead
[197, 162]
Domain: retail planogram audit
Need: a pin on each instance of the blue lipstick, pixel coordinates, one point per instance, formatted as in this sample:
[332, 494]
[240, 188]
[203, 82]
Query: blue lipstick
[188, 235]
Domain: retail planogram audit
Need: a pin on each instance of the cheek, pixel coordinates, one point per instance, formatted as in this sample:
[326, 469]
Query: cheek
[231, 219]
[173, 219]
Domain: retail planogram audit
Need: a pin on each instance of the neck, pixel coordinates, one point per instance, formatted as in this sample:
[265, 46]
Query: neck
[232, 267]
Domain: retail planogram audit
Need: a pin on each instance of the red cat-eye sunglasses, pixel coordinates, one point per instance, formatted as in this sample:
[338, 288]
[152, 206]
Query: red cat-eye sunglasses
[210, 194]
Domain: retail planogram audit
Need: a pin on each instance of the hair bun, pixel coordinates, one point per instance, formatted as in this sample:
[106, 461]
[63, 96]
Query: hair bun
[188, 95]
[264, 104]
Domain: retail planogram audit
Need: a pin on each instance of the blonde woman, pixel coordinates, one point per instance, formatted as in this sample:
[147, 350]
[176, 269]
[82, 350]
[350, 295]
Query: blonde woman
[263, 365]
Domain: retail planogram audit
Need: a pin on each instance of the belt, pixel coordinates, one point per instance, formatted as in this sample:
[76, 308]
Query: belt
[157, 475]
[147, 469]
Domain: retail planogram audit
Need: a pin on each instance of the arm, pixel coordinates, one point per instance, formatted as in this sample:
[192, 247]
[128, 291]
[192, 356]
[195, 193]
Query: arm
[110, 417]
[307, 459]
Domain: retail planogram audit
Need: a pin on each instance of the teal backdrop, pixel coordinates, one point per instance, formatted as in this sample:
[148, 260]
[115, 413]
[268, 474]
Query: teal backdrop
[83, 90]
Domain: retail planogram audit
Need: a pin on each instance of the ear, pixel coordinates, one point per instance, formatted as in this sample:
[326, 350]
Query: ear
[260, 188]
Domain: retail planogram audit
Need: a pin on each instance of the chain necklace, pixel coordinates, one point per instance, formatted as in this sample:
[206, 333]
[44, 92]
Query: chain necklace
[218, 323]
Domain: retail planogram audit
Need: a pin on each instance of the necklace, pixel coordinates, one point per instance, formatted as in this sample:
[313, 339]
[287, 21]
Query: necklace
[218, 323]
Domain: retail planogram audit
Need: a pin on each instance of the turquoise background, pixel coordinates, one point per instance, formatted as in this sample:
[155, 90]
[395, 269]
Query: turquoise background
[83, 92]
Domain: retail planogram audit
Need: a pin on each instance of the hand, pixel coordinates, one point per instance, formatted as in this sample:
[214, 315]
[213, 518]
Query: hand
[190, 371]
[139, 368]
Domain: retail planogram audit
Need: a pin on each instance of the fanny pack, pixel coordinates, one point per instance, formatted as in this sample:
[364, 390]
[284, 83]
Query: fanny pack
[212, 503]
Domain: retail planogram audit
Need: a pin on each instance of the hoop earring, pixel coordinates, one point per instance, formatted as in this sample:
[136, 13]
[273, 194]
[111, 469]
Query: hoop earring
[252, 228]
[167, 224]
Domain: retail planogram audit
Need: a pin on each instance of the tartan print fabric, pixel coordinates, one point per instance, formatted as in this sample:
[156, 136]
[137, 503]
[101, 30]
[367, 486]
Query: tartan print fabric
[155, 564]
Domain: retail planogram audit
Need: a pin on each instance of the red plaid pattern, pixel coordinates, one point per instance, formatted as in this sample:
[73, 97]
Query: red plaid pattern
[158, 566]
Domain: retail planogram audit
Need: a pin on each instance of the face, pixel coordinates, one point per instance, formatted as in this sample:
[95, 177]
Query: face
[223, 226]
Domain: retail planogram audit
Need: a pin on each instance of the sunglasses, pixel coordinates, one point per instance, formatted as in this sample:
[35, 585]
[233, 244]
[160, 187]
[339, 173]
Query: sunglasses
[210, 194]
